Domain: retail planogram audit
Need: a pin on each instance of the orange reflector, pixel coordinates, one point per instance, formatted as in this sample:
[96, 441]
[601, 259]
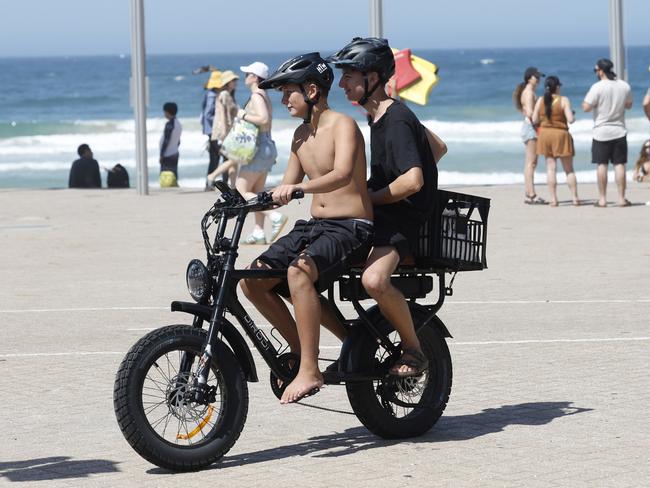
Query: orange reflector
[198, 427]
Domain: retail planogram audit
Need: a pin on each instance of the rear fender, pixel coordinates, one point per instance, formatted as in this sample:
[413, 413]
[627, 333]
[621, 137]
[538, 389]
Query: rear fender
[230, 334]
[360, 343]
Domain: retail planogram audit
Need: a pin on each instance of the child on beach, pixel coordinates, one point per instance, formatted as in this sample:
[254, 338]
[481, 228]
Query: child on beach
[170, 140]
[642, 166]
[329, 149]
[524, 99]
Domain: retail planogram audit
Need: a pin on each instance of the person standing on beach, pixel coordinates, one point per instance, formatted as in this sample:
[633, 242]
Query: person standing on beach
[608, 99]
[84, 172]
[210, 94]
[225, 111]
[524, 99]
[328, 148]
[553, 114]
[402, 185]
[252, 177]
[170, 140]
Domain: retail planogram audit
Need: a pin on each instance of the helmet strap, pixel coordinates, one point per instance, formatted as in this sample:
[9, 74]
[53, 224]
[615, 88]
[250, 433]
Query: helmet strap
[310, 104]
[367, 93]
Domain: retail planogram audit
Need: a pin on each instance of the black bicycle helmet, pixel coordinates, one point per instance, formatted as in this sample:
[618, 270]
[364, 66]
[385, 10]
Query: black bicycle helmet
[366, 55]
[299, 70]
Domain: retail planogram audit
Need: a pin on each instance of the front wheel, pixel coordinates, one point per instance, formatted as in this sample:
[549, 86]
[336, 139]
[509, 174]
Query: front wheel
[154, 403]
[408, 407]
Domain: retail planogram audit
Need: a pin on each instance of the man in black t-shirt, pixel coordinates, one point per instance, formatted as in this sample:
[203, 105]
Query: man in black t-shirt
[402, 184]
[84, 172]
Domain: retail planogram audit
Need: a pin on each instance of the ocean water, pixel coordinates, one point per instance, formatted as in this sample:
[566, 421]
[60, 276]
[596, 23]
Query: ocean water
[48, 106]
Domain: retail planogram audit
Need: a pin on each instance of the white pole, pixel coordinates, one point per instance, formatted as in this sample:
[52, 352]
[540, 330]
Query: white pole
[376, 19]
[616, 46]
[138, 93]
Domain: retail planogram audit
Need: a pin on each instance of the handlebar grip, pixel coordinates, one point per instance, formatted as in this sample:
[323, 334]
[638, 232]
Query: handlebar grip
[297, 194]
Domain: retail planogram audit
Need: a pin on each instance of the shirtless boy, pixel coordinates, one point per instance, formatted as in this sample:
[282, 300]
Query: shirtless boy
[329, 149]
[402, 184]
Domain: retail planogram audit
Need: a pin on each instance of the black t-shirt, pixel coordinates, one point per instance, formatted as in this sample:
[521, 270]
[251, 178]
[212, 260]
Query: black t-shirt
[398, 142]
[85, 174]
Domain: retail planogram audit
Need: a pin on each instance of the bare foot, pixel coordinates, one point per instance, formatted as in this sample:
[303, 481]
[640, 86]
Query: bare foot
[303, 385]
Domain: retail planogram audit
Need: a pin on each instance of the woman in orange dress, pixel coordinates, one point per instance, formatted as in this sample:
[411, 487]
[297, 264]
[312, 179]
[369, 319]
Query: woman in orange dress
[553, 114]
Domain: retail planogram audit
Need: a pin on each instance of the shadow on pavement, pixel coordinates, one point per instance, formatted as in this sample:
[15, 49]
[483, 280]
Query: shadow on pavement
[54, 468]
[458, 428]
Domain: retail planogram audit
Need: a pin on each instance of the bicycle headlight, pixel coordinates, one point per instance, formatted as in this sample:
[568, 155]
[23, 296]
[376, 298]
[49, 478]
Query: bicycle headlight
[198, 280]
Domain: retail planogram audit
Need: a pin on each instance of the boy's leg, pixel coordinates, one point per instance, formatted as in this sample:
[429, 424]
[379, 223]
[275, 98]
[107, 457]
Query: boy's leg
[301, 276]
[260, 293]
[392, 304]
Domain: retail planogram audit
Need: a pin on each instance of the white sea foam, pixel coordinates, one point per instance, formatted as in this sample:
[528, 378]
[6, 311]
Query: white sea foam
[491, 150]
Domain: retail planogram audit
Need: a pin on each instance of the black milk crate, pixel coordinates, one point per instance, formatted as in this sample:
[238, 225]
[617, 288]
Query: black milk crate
[454, 237]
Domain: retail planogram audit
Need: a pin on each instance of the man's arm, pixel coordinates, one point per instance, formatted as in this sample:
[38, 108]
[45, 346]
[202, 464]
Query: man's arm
[590, 100]
[293, 176]
[535, 118]
[169, 126]
[438, 147]
[628, 99]
[646, 104]
[402, 187]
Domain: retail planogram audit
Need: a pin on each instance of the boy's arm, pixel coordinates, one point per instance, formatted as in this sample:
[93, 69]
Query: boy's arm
[438, 147]
[291, 180]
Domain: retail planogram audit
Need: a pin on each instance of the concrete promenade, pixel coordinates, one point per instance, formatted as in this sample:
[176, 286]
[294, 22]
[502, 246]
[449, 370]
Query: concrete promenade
[551, 351]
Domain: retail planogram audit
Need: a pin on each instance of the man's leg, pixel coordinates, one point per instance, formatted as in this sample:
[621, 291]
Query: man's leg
[619, 172]
[602, 184]
[376, 280]
[301, 276]
[260, 293]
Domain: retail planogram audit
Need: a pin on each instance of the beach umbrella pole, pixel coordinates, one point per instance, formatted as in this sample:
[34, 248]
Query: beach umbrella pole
[139, 94]
[616, 46]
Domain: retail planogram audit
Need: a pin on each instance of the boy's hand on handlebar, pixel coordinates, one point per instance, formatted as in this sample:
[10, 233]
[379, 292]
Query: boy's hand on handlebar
[284, 193]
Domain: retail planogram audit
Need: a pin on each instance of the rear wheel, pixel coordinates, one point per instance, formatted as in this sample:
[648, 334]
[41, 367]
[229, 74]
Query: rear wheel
[154, 403]
[408, 407]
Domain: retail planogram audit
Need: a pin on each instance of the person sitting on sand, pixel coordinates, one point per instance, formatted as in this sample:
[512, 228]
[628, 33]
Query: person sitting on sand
[642, 166]
[329, 149]
[84, 172]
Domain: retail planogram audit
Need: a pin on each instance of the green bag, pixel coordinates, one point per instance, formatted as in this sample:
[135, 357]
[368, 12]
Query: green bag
[240, 145]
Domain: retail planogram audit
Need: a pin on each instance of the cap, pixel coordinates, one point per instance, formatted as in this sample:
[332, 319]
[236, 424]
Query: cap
[532, 71]
[227, 77]
[257, 68]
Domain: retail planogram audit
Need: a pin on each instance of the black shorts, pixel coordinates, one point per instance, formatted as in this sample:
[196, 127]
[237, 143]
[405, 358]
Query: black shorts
[334, 245]
[614, 151]
[397, 230]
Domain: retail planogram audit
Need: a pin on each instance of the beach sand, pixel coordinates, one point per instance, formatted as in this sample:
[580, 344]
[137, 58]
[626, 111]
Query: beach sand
[550, 349]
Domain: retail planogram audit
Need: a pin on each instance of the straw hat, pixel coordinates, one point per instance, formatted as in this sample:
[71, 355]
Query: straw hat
[214, 81]
[227, 77]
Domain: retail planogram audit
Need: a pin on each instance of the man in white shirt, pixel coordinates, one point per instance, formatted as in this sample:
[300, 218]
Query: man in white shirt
[170, 140]
[608, 99]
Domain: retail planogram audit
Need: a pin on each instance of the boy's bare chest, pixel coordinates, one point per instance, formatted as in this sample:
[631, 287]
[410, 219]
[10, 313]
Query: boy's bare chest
[316, 154]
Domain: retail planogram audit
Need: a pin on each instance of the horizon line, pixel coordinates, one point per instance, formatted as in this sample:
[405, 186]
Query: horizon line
[128, 53]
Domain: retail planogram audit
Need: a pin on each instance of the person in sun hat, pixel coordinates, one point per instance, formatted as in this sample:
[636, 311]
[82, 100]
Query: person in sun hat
[212, 87]
[225, 111]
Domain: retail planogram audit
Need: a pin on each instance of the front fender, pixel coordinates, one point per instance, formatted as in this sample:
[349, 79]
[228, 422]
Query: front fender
[230, 334]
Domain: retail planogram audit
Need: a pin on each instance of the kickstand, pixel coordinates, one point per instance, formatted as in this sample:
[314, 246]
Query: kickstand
[449, 291]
